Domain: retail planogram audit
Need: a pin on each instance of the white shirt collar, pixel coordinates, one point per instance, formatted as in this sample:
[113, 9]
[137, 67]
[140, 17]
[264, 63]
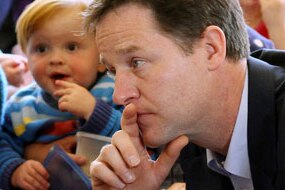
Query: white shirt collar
[237, 160]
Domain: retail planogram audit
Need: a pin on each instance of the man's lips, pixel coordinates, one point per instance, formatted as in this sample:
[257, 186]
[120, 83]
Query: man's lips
[144, 117]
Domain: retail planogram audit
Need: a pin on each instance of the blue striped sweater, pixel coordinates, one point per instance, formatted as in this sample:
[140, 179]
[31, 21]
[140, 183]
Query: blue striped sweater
[32, 115]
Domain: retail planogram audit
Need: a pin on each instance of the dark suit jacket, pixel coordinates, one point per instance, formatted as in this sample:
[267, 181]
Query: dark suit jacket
[266, 132]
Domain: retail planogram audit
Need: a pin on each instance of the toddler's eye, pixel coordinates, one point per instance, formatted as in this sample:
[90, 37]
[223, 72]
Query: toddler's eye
[41, 48]
[72, 47]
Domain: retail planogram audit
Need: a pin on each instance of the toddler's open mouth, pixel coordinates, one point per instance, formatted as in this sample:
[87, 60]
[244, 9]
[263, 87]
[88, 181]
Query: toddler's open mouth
[58, 76]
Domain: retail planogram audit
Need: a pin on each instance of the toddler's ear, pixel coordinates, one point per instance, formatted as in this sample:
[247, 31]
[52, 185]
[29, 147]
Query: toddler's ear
[101, 68]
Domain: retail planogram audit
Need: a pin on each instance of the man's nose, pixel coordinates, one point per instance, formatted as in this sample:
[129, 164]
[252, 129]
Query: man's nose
[125, 89]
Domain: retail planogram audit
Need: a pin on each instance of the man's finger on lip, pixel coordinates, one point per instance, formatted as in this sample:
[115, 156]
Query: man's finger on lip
[129, 120]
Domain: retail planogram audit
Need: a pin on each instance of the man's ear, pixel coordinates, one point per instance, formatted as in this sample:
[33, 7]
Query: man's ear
[215, 45]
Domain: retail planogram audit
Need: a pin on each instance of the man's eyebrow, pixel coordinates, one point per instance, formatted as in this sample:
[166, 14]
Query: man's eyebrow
[125, 50]
[128, 49]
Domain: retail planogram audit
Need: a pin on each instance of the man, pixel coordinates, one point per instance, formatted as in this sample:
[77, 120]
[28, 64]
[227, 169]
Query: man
[182, 69]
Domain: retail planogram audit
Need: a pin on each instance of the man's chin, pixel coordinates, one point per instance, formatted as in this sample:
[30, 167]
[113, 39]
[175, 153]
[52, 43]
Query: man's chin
[152, 143]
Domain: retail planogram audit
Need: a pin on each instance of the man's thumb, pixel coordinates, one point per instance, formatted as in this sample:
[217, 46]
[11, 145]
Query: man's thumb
[170, 154]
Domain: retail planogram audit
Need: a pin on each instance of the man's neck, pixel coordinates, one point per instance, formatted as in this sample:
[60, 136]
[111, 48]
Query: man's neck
[221, 124]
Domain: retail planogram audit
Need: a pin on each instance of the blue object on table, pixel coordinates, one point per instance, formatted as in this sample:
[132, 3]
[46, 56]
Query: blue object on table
[64, 173]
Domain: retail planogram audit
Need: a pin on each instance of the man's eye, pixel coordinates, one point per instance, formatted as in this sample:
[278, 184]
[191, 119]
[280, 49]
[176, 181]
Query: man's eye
[72, 47]
[136, 63]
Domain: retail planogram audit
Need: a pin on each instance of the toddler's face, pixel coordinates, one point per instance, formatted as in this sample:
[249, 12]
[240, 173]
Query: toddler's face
[59, 49]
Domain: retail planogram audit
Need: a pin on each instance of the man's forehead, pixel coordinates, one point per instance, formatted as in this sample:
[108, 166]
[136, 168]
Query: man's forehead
[122, 30]
[124, 50]
[132, 10]
[124, 18]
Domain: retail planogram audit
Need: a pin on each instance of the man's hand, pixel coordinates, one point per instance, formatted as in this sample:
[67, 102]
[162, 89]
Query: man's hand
[273, 12]
[273, 15]
[125, 164]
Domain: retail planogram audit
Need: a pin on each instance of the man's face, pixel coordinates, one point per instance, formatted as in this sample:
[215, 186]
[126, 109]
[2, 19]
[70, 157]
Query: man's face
[151, 71]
